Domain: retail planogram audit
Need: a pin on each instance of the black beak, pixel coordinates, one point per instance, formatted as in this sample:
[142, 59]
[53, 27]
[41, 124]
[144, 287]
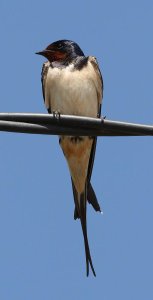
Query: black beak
[45, 52]
[40, 52]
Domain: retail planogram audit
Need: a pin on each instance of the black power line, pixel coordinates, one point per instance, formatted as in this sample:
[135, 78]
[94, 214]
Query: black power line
[55, 124]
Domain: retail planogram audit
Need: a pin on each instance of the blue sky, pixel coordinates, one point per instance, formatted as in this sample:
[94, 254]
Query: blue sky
[41, 246]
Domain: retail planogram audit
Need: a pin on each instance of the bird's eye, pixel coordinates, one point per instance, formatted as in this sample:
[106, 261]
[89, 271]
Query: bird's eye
[59, 46]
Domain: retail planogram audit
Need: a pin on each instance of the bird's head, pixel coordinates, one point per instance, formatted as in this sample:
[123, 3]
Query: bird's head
[61, 51]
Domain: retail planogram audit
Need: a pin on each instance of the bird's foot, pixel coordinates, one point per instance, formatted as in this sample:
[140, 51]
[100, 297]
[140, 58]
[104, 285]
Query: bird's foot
[56, 114]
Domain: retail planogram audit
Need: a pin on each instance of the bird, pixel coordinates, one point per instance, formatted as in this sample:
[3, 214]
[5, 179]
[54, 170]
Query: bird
[72, 84]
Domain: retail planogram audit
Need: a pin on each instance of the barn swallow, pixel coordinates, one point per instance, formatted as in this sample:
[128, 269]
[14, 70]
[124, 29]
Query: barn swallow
[72, 84]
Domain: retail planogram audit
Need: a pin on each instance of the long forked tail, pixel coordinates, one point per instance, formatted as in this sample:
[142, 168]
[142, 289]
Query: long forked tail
[83, 201]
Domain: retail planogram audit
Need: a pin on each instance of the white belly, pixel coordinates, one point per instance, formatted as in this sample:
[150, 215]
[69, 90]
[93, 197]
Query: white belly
[71, 92]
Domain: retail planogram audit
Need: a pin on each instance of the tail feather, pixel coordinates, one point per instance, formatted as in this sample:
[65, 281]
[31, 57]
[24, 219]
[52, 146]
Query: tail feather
[91, 197]
[83, 201]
